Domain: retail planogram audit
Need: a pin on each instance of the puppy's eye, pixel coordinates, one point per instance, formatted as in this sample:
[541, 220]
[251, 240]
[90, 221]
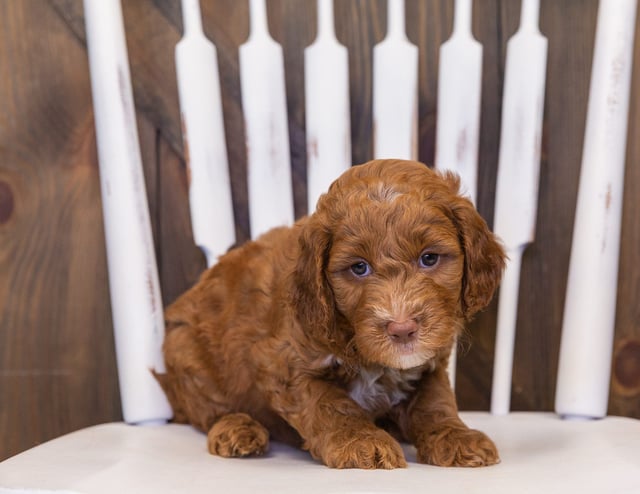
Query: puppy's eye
[429, 259]
[361, 269]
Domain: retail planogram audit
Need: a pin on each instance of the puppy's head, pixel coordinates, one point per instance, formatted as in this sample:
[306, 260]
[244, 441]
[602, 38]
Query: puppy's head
[393, 262]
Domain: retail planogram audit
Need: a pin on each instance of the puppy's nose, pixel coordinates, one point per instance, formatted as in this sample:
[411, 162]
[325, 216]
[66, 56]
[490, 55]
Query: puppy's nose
[402, 332]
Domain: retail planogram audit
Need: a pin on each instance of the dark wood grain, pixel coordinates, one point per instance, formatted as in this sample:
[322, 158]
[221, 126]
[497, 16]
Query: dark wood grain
[625, 389]
[57, 365]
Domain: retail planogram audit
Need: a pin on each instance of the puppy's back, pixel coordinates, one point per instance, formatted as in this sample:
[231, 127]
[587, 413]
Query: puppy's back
[244, 278]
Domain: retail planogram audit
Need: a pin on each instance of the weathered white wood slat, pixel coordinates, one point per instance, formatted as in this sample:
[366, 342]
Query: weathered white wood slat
[517, 183]
[395, 90]
[266, 126]
[459, 95]
[327, 107]
[210, 201]
[458, 121]
[590, 307]
[133, 276]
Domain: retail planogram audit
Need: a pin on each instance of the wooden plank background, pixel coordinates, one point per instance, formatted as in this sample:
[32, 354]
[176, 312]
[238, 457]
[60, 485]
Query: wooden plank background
[57, 364]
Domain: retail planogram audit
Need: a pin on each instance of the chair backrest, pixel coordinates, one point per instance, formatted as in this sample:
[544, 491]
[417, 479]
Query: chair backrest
[396, 98]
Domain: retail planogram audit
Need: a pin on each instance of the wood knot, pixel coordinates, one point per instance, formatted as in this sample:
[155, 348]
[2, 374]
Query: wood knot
[626, 367]
[6, 202]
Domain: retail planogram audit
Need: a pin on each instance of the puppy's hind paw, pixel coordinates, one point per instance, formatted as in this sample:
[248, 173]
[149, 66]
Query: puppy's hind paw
[373, 449]
[237, 434]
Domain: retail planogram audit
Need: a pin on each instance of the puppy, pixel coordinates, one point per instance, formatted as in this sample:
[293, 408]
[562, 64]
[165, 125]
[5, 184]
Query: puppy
[333, 332]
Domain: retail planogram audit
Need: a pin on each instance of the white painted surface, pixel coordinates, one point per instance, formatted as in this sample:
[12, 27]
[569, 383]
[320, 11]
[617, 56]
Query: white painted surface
[506, 334]
[518, 177]
[266, 126]
[133, 275]
[205, 148]
[459, 98]
[395, 90]
[327, 110]
[589, 316]
[539, 453]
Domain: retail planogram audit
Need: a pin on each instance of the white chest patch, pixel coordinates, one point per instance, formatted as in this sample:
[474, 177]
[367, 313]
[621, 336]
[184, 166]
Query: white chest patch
[378, 389]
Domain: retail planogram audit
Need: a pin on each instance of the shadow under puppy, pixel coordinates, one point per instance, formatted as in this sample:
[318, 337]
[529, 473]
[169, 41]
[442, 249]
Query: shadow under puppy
[314, 334]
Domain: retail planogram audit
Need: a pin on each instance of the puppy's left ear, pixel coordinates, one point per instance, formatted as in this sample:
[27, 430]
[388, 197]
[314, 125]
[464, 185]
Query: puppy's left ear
[484, 257]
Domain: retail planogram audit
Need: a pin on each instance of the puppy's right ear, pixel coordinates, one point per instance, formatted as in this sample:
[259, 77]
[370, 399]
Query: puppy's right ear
[313, 298]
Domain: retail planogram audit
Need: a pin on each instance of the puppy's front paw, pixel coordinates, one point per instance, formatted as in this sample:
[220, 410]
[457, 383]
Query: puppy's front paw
[237, 434]
[457, 447]
[363, 449]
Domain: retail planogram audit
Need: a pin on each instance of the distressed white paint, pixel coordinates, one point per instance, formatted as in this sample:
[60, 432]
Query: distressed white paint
[203, 135]
[458, 121]
[395, 90]
[517, 183]
[327, 107]
[266, 126]
[506, 333]
[133, 276]
[589, 316]
[459, 93]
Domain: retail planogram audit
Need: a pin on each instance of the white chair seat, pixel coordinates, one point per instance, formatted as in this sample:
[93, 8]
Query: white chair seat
[540, 453]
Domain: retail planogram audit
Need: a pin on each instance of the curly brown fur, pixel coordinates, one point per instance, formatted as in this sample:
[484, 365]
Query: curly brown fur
[317, 332]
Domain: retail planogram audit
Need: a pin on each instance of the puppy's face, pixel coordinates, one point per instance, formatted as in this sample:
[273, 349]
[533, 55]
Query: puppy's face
[398, 254]
[395, 268]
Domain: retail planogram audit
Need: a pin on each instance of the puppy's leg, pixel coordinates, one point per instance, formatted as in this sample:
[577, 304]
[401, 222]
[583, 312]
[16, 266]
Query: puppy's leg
[237, 434]
[441, 438]
[336, 430]
[190, 382]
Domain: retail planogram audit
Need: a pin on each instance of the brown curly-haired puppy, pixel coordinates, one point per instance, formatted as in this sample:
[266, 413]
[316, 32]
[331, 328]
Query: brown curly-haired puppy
[329, 332]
